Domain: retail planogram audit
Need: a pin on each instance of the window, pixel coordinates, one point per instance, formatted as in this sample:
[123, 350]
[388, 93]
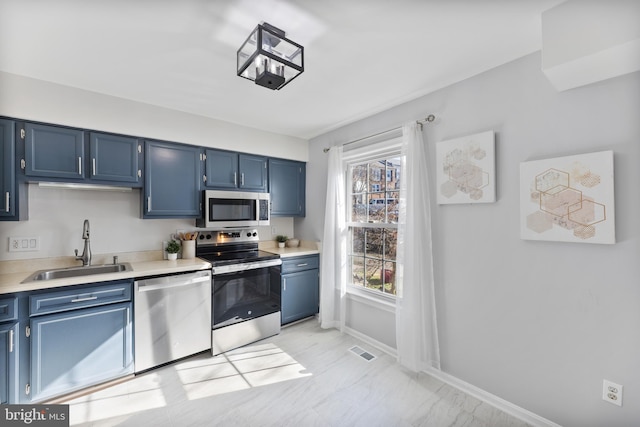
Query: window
[373, 223]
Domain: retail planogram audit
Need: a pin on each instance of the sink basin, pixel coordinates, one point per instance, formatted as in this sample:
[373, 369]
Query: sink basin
[64, 273]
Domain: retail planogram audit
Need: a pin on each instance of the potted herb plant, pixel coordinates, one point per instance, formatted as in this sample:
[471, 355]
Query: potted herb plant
[173, 247]
[281, 240]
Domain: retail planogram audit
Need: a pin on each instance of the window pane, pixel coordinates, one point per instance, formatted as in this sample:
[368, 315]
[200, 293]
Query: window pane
[357, 241]
[389, 278]
[377, 207]
[393, 198]
[359, 179]
[358, 208]
[375, 243]
[393, 173]
[357, 270]
[373, 269]
[390, 244]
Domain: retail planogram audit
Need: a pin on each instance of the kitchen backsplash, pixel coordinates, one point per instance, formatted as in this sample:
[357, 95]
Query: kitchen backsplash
[56, 216]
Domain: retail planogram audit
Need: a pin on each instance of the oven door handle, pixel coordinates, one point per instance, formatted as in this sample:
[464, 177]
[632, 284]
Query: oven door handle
[233, 268]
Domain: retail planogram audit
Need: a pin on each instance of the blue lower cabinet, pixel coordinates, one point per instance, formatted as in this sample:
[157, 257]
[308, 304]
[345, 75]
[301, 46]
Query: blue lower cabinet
[8, 362]
[76, 349]
[300, 287]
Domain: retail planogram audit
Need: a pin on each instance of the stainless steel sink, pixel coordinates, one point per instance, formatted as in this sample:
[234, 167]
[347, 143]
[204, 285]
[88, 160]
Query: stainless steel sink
[64, 273]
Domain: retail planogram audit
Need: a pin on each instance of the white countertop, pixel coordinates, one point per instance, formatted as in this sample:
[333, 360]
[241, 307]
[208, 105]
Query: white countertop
[305, 248]
[13, 273]
[10, 281]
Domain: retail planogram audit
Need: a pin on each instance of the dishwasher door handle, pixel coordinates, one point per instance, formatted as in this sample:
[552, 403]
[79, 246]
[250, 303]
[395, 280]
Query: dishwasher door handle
[153, 285]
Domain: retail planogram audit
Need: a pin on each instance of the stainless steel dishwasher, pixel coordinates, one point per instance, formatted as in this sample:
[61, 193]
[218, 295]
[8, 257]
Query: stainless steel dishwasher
[172, 318]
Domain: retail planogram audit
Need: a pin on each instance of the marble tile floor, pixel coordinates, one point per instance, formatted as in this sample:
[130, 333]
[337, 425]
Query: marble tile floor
[305, 376]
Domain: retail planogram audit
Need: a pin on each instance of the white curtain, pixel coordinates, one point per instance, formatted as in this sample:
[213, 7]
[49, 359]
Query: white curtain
[416, 327]
[334, 245]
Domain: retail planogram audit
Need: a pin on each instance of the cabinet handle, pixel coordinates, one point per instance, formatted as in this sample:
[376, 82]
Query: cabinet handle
[11, 341]
[235, 179]
[79, 165]
[84, 299]
[93, 166]
[6, 201]
[303, 265]
[284, 285]
[242, 179]
[149, 203]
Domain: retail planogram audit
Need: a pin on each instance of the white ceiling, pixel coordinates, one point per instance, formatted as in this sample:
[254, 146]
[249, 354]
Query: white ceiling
[361, 56]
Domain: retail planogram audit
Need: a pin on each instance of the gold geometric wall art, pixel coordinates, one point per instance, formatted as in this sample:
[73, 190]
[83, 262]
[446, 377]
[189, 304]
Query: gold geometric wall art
[568, 199]
[466, 169]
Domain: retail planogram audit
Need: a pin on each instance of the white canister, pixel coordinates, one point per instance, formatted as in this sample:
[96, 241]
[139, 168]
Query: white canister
[188, 249]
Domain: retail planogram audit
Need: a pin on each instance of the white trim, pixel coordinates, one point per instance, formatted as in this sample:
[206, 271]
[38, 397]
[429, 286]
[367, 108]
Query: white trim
[367, 339]
[381, 302]
[491, 399]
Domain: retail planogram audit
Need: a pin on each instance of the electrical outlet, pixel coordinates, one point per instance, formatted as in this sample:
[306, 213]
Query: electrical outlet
[612, 392]
[273, 230]
[24, 244]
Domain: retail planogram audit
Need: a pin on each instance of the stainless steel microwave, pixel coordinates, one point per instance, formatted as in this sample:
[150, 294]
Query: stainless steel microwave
[228, 209]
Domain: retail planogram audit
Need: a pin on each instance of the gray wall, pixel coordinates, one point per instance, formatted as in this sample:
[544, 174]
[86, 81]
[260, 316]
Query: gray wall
[539, 324]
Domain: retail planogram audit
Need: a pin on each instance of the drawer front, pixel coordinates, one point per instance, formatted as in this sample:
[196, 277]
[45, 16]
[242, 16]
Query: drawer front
[8, 309]
[80, 297]
[291, 265]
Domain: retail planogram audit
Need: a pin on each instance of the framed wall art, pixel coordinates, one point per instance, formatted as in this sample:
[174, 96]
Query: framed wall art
[568, 199]
[466, 169]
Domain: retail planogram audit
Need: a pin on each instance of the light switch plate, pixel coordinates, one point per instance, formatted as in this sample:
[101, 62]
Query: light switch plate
[24, 244]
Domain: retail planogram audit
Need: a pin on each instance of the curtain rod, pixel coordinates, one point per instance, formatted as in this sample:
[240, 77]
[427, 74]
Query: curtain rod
[430, 118]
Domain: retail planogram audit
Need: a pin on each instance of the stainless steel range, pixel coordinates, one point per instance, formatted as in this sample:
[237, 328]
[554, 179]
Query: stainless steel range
[245, 288]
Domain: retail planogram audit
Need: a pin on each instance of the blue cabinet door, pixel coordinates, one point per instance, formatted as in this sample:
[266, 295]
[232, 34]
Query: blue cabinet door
[8, 171]
[287, 187]
[222, 169]
[8, 362]
[54, 152]
[114, 158]
[80, 348]
[253, 172]
[300, 295]
[172, 180]
[227, 170]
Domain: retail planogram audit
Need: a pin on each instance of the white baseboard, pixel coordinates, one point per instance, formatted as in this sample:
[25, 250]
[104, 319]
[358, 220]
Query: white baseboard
[491, 399]
[377, 344]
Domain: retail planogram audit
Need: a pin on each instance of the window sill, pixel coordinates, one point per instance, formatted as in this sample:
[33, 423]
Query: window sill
[384, 302]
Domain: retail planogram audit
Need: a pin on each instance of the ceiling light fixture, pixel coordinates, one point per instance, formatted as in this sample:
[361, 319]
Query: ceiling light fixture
[269, 58]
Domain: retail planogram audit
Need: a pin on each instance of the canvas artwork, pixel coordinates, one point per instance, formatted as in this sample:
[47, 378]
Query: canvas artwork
[568, 199]
[466, 169]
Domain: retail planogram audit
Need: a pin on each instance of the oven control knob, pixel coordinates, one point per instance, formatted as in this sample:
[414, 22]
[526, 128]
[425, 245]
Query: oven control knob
[255, 234]
[248, 234]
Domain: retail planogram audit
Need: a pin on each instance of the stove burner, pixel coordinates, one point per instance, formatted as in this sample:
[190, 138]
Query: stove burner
[231, 247]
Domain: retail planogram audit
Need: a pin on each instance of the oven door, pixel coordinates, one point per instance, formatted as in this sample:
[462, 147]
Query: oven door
[245, 291]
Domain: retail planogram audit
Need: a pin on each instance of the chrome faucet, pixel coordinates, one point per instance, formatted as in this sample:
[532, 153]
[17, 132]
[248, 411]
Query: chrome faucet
[86, 253]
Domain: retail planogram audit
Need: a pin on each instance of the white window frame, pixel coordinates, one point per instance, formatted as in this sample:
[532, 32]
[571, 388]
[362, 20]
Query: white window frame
[390, 148]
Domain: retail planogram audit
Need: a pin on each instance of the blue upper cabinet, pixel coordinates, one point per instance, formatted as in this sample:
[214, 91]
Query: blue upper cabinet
[253, 172]
[287, 187]
[54, 152]
[172, 180]
[221, 168]
[227, 170]
[115, 158]
[8, 171]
